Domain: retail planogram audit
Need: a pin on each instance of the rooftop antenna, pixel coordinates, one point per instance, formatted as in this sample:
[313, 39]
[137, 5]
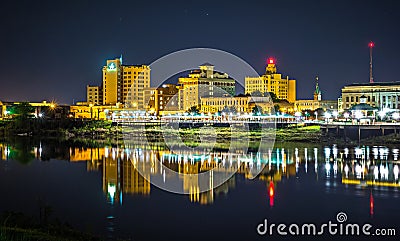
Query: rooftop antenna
[371, 45]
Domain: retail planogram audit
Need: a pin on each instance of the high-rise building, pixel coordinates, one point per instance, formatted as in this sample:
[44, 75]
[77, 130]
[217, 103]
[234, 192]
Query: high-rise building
[94, 95]
[135, 79]
[272, 81]
[122, 84]
[204, 82]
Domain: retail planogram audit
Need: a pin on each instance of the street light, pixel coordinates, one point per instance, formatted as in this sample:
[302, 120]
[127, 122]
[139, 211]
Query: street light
[335, 114]
[382, 114]
[358, 116]
[91, 111]
[346, 115]
[328, 116]
[316, 115]
[396, 115]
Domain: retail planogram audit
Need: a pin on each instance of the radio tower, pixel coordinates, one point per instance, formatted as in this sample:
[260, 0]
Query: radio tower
[370, 45]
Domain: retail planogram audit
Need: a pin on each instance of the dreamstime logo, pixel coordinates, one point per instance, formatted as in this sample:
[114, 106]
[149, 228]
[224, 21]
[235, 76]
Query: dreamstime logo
[192, 137]
[341, 217]
[330, 228]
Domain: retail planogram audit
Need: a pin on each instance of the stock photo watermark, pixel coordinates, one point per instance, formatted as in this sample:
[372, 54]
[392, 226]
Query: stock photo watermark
[338, 227]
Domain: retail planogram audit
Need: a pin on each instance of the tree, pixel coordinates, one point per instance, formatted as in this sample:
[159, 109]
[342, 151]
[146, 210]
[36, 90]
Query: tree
[256, 93]
[229, 109]
[319, 112]
[257, 110]
[273, 96]
[22, 110]
[277, 108]
[194, 110]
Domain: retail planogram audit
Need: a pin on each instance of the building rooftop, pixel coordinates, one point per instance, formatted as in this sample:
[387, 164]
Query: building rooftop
[135, 65]
[207, 64]
[375, 84]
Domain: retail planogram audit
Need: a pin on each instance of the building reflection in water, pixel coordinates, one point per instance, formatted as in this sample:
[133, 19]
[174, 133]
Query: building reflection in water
[128, 170]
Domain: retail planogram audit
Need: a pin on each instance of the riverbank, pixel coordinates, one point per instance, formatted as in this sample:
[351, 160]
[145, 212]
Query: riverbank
[108, 132]
[16, 226]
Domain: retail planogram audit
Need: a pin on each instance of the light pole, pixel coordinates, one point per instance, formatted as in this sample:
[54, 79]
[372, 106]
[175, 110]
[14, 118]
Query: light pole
[346, 115]
[91, 111]
[335, 114]
[327, 116]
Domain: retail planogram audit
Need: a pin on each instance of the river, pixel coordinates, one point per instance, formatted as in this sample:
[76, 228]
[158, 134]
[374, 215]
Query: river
[107, 189]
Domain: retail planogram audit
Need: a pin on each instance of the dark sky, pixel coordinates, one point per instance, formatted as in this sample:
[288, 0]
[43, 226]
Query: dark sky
[52, 50]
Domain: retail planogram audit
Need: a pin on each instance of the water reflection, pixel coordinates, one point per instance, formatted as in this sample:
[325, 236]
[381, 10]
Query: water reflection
[129, 170]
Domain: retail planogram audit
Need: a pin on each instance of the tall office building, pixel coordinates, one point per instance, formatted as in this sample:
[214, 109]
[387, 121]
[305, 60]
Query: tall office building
[122, 84]
[204, 82]
[272, 81]
[94, 95]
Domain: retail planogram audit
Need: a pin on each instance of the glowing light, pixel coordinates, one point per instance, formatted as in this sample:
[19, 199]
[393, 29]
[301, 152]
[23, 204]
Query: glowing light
[328, 115]
[396, 115]
[381, 114]
[297, 114]
[328, 167]
[359, 115]
[271, 61]
[371, 204]
[346, 115]
[346, 170]
[40, 115]
[396, 172]
[371, 44]
[327, 151]
[111, 191]
[376, 172]
[358, 169]
[335, 114]
[358, 152]
[111, 67]
[271, 192]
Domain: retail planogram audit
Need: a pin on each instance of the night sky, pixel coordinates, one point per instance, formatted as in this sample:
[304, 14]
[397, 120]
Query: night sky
[52, 50]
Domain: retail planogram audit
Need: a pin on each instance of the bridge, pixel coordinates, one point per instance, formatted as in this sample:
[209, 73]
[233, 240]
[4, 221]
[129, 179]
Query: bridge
[189, 121]
[358, 132]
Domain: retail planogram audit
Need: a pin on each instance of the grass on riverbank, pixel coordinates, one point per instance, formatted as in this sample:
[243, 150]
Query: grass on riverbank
[21, 234]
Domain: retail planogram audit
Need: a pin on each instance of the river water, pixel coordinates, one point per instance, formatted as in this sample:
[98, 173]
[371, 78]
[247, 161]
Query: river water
[97, 188]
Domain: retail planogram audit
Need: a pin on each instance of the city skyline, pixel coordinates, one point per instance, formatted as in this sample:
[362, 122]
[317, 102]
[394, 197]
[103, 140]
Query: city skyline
[53, 53]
